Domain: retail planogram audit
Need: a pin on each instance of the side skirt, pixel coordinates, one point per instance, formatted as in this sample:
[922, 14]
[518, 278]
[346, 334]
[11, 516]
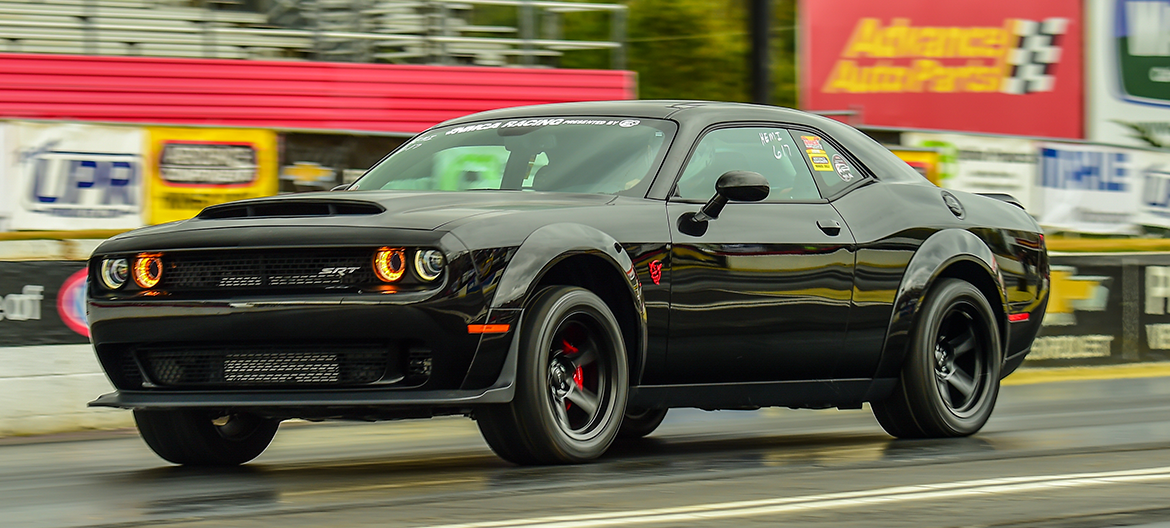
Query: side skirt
[819, 394]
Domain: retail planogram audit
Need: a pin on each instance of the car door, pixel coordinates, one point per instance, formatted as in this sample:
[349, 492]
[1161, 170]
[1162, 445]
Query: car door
[764, 293]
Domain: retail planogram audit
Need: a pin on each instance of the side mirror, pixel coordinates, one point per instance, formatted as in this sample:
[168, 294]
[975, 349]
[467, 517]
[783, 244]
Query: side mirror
[739, 186]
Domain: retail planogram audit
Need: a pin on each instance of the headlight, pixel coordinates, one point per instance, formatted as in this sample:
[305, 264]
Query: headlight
[148, 270]
[428, 264]
[390, 264]
[114, 273]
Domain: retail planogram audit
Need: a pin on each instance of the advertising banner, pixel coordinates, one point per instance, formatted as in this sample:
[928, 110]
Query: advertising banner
[73, 176]
[981, 164]
[1002, 67]
[925, 161]
[1153, 168]
[319, 162]
[192, 168]
[42, 303]
[1088, 189]
[1129, 91]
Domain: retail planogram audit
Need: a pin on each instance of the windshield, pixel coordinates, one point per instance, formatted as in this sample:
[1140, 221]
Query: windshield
[590, 155]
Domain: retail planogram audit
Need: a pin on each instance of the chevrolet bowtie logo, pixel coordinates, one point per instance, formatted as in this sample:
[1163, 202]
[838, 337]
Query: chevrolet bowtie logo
[1071, 292]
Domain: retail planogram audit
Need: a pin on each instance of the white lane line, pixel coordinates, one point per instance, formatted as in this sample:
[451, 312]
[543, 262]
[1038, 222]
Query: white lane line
[725, 510]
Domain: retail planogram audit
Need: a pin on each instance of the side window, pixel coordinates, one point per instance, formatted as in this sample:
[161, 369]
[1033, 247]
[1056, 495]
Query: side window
[833, 171]
[769, 151]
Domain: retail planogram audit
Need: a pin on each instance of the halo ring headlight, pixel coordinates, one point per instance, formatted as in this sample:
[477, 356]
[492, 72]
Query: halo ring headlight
[428, 264]
[147, 270]
[114, 273]
[390, 264]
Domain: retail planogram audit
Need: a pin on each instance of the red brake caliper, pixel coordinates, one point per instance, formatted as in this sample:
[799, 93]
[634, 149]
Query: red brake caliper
[578, 375]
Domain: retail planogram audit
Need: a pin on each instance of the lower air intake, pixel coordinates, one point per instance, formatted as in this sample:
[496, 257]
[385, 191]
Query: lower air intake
[240, 367]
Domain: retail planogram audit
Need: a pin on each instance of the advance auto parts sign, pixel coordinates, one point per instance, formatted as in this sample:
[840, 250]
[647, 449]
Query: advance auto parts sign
[1006, 67]
[193, 168]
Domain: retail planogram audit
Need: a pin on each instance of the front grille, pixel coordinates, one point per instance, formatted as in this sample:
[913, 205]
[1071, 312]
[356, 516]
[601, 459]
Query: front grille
[267, 366]
[281, 269]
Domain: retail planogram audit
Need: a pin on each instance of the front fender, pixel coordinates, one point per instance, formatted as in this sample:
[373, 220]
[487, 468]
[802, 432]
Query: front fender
[539, 253]
[940, 251]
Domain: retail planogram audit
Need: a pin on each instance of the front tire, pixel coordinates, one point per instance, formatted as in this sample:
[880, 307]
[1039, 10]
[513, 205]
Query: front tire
[201, 438]
[572, 380]
[950, 381]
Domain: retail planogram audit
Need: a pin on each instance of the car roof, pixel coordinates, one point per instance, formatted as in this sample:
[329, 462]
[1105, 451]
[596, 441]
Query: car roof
[706, 111]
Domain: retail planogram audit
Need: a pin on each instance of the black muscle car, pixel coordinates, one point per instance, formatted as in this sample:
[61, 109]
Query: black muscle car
[564, 274]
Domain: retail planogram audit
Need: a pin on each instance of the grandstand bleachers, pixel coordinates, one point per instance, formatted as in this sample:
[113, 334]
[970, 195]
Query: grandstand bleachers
[398, 31]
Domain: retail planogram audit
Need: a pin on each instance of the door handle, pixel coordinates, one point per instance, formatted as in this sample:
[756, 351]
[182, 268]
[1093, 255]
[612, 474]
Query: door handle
[830, 227]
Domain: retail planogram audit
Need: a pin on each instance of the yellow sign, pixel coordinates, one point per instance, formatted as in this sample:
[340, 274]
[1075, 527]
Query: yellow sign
[191, 168]
[923, 161]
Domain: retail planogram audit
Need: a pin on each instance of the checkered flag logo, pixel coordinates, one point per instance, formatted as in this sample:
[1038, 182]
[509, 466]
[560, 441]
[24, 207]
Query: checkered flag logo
[1036, 52]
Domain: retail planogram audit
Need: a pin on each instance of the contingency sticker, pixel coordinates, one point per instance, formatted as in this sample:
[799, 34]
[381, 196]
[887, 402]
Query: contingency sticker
[816, 154]
[842, 167]
[812, 142]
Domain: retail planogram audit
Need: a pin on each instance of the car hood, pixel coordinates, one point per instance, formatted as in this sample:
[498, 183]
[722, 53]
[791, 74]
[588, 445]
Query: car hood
[427, 210]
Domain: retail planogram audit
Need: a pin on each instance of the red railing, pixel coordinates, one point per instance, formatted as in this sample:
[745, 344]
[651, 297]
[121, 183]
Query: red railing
[282, 95]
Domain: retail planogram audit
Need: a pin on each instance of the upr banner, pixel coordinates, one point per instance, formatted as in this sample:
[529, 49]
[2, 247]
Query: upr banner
[42, 303]
[1088, 189]
[981, 164]
[74, 176]
[192, 168]
[1129, 91]
[1003, 66]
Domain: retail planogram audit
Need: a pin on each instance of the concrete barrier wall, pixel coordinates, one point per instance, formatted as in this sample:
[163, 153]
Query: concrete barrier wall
[1106, 309]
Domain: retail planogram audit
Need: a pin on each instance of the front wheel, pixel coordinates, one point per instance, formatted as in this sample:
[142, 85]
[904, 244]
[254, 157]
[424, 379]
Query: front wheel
[572, 381]
[950, 380]
[201, 438]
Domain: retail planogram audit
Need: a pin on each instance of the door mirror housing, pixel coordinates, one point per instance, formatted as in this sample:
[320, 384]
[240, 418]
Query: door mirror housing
[739, 186]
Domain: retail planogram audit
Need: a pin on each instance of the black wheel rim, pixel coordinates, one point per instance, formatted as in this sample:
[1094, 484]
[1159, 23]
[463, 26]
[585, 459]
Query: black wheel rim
[961, 360]
[580, 376]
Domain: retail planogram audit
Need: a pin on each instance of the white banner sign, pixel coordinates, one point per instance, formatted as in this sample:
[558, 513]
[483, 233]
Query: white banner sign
[1129, 89]
[74, 176]
[1154, 170]
[1088, 189]
[981, 164]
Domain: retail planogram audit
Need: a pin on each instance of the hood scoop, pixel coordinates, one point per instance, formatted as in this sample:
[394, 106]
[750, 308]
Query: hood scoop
[290, 208]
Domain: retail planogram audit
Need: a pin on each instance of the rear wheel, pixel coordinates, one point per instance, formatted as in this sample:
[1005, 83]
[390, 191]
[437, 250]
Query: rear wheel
[950, 380]
[202, 438]
[640, 422]
[571, 383]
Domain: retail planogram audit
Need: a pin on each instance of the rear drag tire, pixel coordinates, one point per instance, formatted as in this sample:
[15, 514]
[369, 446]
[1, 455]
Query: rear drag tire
[192, 438]
[950, 381]
[638, 423]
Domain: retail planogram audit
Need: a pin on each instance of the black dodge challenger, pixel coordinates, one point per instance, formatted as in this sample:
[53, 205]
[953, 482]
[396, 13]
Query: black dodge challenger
[564, 274]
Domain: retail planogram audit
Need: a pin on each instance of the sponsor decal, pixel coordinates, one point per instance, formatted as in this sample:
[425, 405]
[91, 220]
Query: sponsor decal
[23, 306]
[1071, 347]
[1014, 58]
[842, 167]
[71, 302]
[1070, 293]
[197, 163]
[812, 142]
[623, 123]
[81, 184]
[1088, 189]
[656, 271]
[820, 160]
